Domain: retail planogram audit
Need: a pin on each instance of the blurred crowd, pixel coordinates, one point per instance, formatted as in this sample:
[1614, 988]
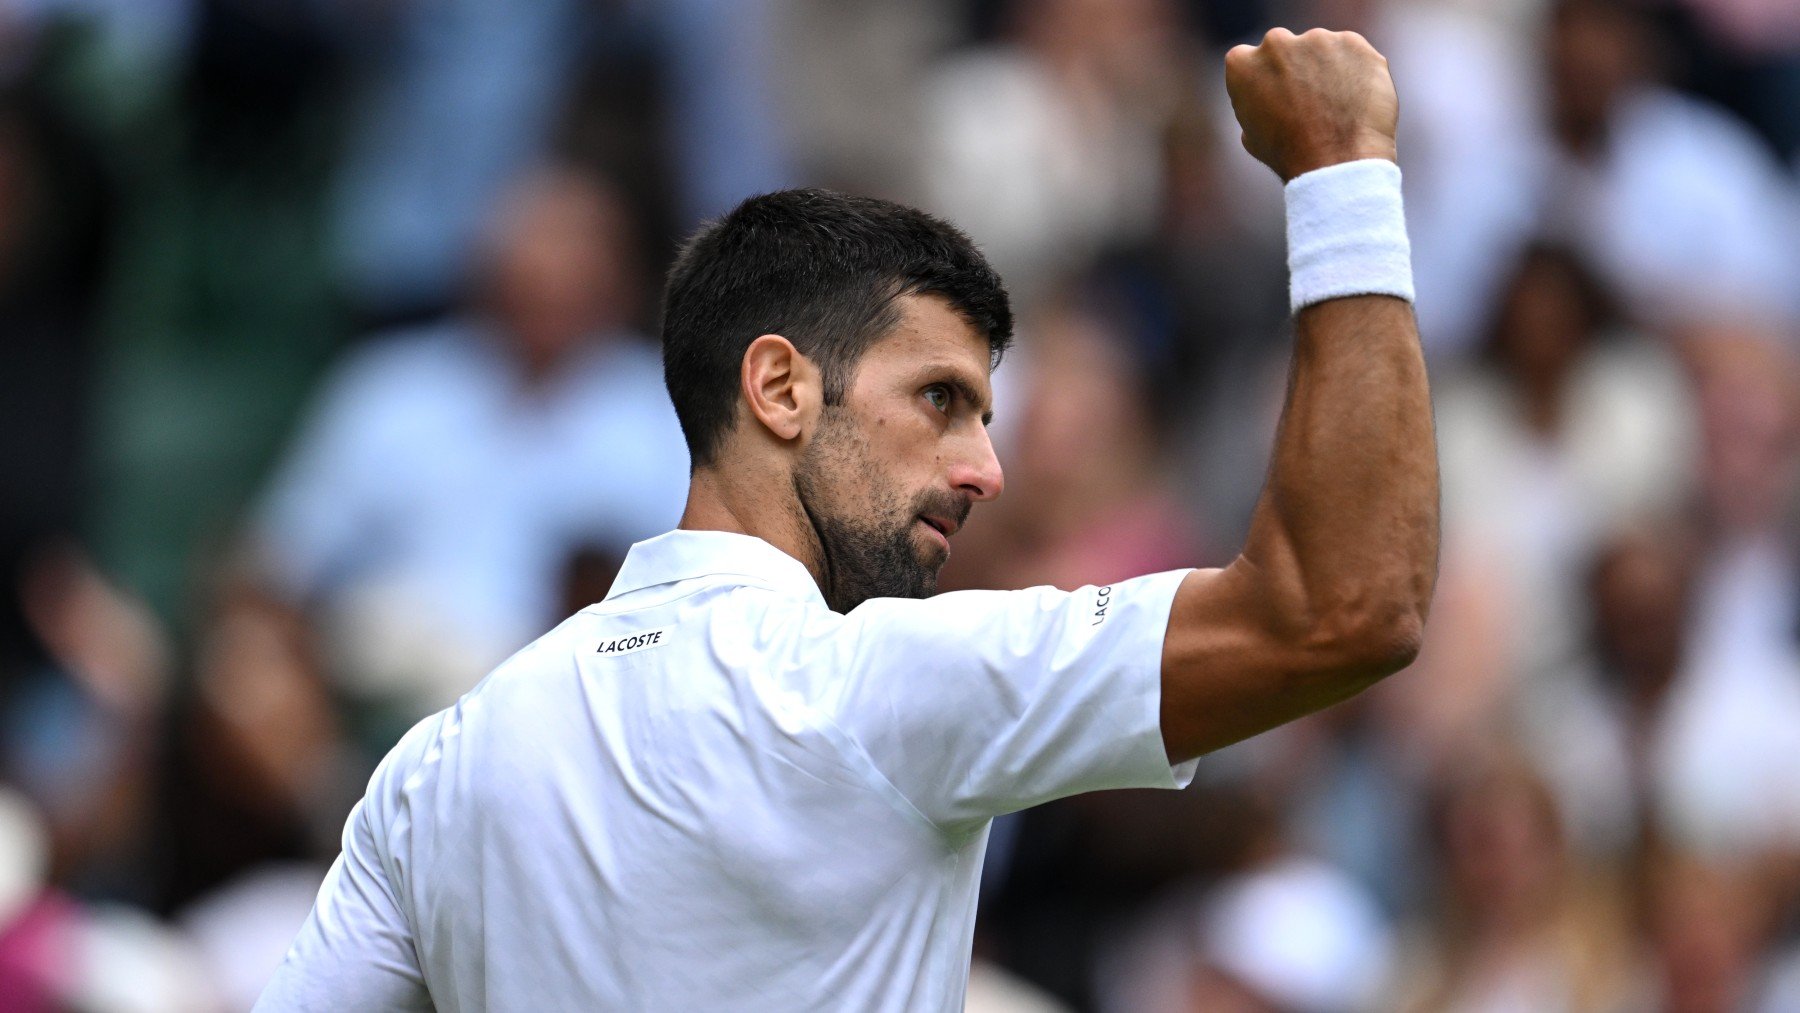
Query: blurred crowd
[328, 379]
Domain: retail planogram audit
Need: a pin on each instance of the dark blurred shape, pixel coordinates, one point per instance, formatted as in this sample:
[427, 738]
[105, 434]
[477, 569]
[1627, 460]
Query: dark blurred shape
[1599, 51]
[588, 575]
[1745, 55]
[1205, 294]
[258, 769]
[253, 62]
[57, 217]
[1643, 591]
[1553, 313]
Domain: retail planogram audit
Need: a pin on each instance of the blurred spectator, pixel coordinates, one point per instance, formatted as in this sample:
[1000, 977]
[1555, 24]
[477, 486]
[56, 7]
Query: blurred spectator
[1515, 925]
[1651, 733]
[1204, 298]
[1706, 927]
[85, 672]
[447, 474]
[1730, 776]
[78, 728]
[1045, 148]
[1568, 429]
[1679, 206]
[1468, 139]
[1091, 505]
[851, 80]
[1599, 725]
[1682, 208]
[1296, 935]
[454, 98]
[1254, 925]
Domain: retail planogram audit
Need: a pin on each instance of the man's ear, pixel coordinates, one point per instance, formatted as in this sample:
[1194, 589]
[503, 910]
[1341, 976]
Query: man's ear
[782, 387]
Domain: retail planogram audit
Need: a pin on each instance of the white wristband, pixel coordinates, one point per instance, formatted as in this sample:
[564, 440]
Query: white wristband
[1346, 233]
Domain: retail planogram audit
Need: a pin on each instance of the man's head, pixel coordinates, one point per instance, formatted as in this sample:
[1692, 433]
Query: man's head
[828, 357]
[1597, 52]
[558, 264]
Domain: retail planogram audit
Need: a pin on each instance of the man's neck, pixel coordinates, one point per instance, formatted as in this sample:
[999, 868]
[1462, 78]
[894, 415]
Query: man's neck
[717, 503]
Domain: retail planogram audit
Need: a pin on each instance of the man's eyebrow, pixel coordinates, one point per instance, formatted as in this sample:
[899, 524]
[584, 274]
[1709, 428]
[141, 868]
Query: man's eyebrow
[972, 396]
[952, 375]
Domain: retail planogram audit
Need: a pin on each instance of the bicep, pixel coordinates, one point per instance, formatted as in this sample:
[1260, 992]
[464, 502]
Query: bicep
[1232, 667]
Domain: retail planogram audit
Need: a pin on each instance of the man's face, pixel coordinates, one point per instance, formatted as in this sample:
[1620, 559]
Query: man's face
[892, 471]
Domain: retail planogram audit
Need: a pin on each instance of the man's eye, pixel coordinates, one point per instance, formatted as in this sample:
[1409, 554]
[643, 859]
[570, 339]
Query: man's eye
[939, 396]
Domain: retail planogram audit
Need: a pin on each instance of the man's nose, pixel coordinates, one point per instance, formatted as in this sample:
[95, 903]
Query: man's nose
[977, 471]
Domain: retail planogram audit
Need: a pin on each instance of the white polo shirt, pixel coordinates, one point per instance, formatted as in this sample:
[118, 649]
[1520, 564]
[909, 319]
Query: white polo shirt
[710, 791]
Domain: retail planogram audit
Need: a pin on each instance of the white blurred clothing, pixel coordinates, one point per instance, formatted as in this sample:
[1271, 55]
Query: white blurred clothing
[1579, 735]
[1727, 765]
[1039, 186]
[1718, 762]
[1626, 449]
[1294, 931]
[1685, 211]
[994, 990]
[241, 930]
[1301, 933]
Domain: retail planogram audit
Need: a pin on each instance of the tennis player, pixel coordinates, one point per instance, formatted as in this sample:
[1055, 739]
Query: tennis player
[759, 775]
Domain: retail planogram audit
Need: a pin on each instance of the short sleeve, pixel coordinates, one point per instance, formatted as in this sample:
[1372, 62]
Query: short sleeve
[977, 703]
[356, 950]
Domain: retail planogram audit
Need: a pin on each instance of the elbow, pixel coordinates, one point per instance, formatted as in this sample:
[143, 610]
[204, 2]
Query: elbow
[1393, 643]
[1370, 643]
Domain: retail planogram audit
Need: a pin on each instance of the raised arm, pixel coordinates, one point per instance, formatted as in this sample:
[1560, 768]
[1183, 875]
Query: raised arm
[1331, 590]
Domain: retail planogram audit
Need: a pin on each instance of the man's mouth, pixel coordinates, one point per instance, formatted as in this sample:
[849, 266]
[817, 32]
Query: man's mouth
[944, 525]
[940, 527]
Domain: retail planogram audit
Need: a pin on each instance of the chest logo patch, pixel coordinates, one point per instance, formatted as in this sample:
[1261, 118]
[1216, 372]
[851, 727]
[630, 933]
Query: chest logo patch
[633, 642]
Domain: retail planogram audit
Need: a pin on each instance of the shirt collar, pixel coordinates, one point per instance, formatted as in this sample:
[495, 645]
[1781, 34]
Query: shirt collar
[682, 554]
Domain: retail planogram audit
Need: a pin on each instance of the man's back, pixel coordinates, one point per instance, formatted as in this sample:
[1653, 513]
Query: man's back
[686, 797]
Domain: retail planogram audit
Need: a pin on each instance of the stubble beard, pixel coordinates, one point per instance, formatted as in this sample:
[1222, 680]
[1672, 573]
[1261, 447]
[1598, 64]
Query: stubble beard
[872, 556]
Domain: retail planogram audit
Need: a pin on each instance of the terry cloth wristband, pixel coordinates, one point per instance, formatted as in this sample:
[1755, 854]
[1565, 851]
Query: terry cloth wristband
[1346, 232]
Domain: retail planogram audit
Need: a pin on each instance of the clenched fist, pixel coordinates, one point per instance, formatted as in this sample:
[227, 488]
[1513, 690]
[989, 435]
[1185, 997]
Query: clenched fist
[1312, 100]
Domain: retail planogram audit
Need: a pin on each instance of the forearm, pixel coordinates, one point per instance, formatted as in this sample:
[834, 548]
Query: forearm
[1345, 537]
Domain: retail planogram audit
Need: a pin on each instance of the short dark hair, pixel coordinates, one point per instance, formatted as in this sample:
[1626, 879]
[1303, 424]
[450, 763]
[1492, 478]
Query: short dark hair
[823, 270]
